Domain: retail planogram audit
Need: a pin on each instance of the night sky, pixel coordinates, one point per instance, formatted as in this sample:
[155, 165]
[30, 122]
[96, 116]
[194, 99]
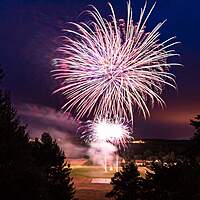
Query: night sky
[29, 31]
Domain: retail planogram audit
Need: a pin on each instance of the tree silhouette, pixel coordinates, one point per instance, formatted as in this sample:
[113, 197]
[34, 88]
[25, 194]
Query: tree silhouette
[1, 74]
[196, 124]
[51, 159]
[193, 152]
[173, 182]
[127, 184]
[30, 170]
[18, 177]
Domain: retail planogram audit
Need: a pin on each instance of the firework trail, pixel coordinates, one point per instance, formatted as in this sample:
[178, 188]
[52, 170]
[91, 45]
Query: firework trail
[112, 68]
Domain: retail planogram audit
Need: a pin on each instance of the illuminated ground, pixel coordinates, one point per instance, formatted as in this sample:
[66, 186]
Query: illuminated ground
[90, 172]
[83, 176]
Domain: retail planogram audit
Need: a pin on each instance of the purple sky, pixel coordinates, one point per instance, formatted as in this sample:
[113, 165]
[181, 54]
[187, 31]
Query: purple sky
[29, 36]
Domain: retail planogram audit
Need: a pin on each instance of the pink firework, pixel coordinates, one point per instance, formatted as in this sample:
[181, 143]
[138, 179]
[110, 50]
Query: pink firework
[110, 68]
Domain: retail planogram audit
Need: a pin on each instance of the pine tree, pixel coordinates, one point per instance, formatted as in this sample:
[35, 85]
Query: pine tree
[193, 153]
[30, 170]
[173, 182]
[196, 124]
[18, 177]
[51, 159]
[127, 184]
[1, 74]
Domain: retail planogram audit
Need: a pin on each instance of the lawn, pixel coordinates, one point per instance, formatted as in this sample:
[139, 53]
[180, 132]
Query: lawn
[85, 190]
[91, 172]
[83, 175]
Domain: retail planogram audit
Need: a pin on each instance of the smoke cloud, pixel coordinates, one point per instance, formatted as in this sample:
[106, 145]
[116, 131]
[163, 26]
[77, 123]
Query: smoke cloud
[102, 153]
[60, 126]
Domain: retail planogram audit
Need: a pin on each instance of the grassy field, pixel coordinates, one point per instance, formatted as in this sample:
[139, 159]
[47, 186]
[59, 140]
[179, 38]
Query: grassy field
[97, 172]
[85, 190]
[91, 172]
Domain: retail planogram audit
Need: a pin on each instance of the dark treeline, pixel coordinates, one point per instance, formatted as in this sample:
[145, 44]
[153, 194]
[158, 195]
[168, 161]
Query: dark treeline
[175, 178]
[173, 182]
[157, 149]
[30, 169]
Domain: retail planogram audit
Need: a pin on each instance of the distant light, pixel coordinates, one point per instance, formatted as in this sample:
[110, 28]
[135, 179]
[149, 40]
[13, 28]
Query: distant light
[138, 142]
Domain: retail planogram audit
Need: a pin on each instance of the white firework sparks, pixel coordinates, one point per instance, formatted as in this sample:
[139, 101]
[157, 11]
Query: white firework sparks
[112, 68]
[107, 131]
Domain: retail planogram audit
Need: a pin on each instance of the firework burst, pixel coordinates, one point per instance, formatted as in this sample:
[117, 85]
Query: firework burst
[112, 68]
[104, 131]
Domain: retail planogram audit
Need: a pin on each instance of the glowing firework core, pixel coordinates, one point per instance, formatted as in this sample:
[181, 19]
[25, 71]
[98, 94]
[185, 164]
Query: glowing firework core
[107, 131]
[104, 134]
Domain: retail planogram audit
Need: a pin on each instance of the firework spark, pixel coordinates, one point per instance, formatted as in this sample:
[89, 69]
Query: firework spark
[107, 131]
[112, 68]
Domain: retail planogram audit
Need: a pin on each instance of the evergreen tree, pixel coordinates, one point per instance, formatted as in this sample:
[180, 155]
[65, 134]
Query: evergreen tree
[30, 170]
[18, 177]
[127, 184]
[196, 124]
[51, 159]
[173, 182]
[193, 152]
[1, 74]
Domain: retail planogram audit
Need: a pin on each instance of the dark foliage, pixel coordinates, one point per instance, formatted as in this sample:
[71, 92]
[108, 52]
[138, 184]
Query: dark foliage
[179, 181]
[193, 152]
[156, 149]
[175, 182]
[1, 74]
[196, 124]
[30, 170]
[18, 176]
[127, 184]
[51, 161]
[172, 178]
